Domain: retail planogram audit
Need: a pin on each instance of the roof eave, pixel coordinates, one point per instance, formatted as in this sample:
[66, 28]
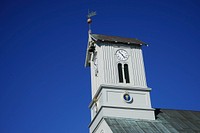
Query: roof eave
[97, 39]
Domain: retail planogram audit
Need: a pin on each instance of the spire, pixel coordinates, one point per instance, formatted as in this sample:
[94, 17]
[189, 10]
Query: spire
[89, 20]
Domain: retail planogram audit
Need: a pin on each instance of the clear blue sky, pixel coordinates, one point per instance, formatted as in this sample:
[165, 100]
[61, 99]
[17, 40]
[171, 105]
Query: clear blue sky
[44, 87]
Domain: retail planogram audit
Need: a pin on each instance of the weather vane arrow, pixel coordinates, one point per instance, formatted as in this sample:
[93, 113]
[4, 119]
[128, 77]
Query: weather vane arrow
[91, 14]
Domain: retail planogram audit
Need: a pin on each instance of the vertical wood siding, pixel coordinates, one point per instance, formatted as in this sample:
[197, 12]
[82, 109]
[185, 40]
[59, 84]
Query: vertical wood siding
[138, 67]
[109, 64]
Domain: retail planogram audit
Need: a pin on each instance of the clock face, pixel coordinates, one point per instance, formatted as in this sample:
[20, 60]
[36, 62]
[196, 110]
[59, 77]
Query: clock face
[122, 54]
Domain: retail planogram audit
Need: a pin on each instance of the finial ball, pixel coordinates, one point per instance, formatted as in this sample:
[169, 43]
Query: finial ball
[89, 20]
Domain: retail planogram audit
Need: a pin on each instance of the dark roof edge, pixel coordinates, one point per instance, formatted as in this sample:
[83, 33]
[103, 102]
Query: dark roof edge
[117, 39]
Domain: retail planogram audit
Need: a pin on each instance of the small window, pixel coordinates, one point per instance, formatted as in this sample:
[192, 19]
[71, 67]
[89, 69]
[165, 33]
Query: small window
[126, 73]
[120, 73]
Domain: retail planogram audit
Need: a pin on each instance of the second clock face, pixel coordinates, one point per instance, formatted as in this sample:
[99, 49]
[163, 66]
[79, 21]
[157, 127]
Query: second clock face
[122, 54]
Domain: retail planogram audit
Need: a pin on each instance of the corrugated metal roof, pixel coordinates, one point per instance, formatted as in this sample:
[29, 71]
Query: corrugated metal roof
[167, 121]
[117, 39]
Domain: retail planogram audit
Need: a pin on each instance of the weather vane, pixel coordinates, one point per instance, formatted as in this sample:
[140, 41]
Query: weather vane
[89, 20]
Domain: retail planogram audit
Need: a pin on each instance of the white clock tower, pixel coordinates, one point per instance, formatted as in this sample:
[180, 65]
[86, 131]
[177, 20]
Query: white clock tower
[119, 87]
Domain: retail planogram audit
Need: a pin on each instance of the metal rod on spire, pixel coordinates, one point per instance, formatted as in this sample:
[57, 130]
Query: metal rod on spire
[89, 20]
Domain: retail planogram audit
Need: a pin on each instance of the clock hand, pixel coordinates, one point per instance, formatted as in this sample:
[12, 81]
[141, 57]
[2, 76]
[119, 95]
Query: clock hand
[121, 54]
